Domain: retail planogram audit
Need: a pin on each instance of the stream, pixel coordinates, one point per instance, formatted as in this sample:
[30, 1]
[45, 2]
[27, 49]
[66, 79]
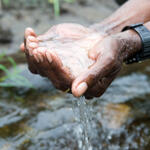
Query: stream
[43, 118]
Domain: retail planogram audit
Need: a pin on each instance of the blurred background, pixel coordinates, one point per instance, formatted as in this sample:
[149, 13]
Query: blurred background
[36, 116]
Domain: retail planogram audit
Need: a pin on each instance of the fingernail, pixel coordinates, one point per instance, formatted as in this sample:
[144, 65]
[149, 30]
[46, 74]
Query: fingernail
[82, 87]
[22, 47]
[37, 59]
[30, 52]
[49, 57]
[39, 38]
[40, 57]
[35, 55]
[32, 39]
[33, 45]
[29, 28]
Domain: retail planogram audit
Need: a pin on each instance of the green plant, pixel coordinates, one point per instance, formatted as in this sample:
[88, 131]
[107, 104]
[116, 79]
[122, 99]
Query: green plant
[12, 78]
[6, 2]
[56, 4]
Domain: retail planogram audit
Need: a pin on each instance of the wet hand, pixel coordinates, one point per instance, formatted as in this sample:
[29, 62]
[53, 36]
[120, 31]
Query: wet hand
[109, 56]
[61, 54]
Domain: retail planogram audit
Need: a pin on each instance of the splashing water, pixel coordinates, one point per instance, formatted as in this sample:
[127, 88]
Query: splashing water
[83, 113]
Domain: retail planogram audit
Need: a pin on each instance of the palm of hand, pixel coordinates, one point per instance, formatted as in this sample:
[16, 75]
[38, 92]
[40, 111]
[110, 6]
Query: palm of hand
[61, 54]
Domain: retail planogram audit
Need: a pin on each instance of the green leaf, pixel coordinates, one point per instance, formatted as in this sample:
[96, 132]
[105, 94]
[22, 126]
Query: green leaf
[2, 55]
[11, 60]
[22, 81]
[69, 1]
[3, 68]
[3, 78]
[13, 78]
[56, 7]
[6, 2]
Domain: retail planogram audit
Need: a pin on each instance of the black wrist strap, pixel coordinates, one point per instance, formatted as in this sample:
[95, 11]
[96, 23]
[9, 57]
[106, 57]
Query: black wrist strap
[144, 34]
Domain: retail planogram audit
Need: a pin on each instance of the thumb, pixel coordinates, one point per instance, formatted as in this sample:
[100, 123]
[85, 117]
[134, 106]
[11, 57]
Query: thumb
[89, 78]
[95, 51]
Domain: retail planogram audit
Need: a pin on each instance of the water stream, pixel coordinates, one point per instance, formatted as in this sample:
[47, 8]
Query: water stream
[83, 113]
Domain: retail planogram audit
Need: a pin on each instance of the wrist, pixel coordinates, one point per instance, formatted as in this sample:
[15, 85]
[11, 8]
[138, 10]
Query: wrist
[130, 43]
[111, 25]
[103, 28]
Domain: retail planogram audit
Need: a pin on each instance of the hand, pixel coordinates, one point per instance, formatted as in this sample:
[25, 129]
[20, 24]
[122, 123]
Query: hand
[60, 54]
[109, 55]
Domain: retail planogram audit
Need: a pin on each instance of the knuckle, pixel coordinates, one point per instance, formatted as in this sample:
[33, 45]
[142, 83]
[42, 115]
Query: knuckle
[32, 70]
[100, 93]
[111, 57]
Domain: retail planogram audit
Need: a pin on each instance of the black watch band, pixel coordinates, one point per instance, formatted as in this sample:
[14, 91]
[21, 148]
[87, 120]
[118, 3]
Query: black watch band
[144, 34]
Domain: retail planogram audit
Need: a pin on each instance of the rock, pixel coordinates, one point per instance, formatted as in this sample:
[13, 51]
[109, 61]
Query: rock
[114, 115]
[120, 2]
[126, 88]
[13, 114]
[6, 35]
[48, 120]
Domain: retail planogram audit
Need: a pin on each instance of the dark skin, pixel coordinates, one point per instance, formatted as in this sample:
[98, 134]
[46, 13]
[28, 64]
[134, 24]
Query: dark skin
[53, 48]
[101, 52]
[109, 48]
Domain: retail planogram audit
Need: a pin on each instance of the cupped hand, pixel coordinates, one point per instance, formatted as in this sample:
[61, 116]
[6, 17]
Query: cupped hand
[109, 55]
[108, 61]
[62, 53]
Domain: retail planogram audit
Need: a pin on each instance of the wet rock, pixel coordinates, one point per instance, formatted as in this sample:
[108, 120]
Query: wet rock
[11, 114]
[127, 87]
[114, 115]
[47, 120]
[11, 120]
[120, 2]
[96, 11]
[62, 137]
[6, 35]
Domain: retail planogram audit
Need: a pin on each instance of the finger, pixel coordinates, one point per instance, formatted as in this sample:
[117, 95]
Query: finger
[93, 54]
[100, 87]
[31, 46]
[56, 72]
[37, 58]
[63, 73]
[22, 47]
[96, 89]
[98, 70]
[95, 51]
[32, 39]
[31, 65]
[39, 54]
[57, 65]
[35, 55]
[28, 32]
[50, 34]
[45, 37]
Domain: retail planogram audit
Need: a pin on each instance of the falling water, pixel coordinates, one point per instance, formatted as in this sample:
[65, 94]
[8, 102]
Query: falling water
[83, 113]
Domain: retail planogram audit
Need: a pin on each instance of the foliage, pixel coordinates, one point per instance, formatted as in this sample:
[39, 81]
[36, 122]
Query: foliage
[55, 3]
[6, 2]
[12, 78]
